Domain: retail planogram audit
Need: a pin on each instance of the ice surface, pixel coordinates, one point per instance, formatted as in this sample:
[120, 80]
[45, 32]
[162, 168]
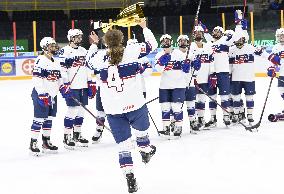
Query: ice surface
[220, 161]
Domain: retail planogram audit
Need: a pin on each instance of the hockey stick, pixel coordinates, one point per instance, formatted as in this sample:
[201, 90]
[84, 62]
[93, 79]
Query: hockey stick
[248, 128]
[97, 119]
[154, 123]
[264, 105]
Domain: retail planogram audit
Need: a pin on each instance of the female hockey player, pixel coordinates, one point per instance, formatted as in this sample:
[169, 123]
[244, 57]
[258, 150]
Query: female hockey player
[277, 58]
[190, 92]
[205, 76]
[122, 95]
[78, 82]
[46, 80]
[243, 75]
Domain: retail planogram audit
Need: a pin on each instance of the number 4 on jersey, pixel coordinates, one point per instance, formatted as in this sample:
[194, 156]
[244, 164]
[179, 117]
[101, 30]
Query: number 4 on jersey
[113, 80]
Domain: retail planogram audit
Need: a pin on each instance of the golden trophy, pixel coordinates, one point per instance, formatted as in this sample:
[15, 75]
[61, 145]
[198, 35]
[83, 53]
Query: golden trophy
[130, 16]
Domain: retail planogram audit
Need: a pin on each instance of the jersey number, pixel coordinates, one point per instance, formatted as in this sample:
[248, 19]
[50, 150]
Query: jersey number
[113, 80]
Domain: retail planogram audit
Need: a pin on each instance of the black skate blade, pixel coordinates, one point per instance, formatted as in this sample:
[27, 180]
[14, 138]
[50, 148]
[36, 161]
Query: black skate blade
[47, 151]
[35, 154]
[69, 147]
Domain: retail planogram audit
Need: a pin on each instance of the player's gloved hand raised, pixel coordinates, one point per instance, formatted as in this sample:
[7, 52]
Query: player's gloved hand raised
[164, 59]
[271, 71]
[203, 26]
[238, 16]
[92, 90]
[244, 24]
[185, 65]
[44, 100]
[275, 59]
[196, 64]
[213, 80]
[65, 90]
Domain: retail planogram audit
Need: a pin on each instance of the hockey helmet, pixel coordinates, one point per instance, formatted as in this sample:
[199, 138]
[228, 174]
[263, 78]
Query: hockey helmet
[279, 35]
[183, 41]
[72, 33]
[166, 41]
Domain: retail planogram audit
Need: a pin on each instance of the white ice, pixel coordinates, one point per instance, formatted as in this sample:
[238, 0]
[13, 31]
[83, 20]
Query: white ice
[220, 161]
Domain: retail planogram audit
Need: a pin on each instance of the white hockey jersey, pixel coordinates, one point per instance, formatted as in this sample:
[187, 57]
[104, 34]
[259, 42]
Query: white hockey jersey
[47, 76]
[172, 75]
[121, 89]
[205, 55]
[221, 49]
[242, 62]
[145, 71]
[279, 50]
[73, 60]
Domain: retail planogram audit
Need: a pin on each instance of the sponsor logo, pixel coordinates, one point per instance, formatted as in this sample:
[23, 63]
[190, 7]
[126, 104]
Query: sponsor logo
[7, 68]
[28, 66]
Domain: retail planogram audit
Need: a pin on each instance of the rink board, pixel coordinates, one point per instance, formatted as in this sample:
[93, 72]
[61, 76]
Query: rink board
[20, 68]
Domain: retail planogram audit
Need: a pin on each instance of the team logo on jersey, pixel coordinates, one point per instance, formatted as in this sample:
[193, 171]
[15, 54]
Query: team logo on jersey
[245, 58]
[27, 66]
[204, 58]
[281, 54]
[78, 61]
[220, 48]
[53, 75]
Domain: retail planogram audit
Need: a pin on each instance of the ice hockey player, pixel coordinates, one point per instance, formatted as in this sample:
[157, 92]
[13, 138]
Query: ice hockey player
[199, 50]
[242, 60]
[276, 57]
[172, 85]
[122, 97]
[190, 93]
[220, 45]
[78, 82]
[46, 81]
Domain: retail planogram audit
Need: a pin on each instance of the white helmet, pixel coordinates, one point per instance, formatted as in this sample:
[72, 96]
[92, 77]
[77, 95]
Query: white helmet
[164, 36]
[242, 34]
[198, 28]
[219, 28]
[182, 37]
[46, 41]
[73, 32]
[132, 41]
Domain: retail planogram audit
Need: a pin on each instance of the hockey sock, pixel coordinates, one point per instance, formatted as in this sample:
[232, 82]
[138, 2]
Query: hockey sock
[200, 107]
[78, 121]
[36, 126]
[46, 127]
[225, 103]
[191, 110]
[249, 104]
[68, 124]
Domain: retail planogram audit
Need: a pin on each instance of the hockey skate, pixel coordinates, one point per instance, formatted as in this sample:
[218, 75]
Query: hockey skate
[212, 123]
[79, 140]
[34, 150]
[98, 135]
[147, 156]
[201, 122]
[250, 119]
[166, 131]
[235, 118]
[194, 127]
[226, 120]
[131, 183]
[172, 126]
[177, 131]
[68, 142]
[47, 146]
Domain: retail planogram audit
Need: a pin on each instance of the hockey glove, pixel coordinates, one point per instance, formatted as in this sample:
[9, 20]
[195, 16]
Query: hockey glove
[271, 71]
[65, 90]
[145, 66]
[196, 64]
[91, 89]
[185, 65]
[238, 16]
[44, 100]
[275, 59]
[164, 59]
[244, 23]
[213, 80]
[203, 26]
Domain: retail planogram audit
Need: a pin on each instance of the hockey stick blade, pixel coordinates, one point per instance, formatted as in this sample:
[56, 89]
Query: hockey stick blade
[250, 128]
